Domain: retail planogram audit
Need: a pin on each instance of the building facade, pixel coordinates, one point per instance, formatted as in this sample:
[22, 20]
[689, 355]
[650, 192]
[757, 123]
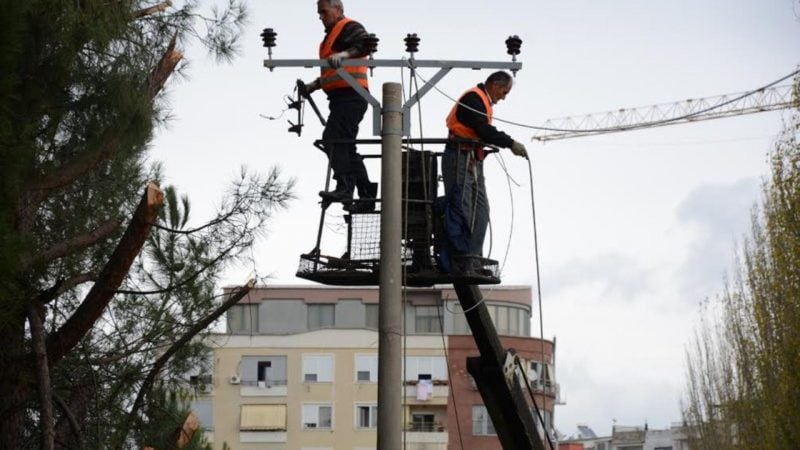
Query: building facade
[297, 369]
[630, 438]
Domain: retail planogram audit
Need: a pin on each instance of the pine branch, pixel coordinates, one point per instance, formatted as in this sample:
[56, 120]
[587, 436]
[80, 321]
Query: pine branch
[116, 269]
[147, 384]
[71, 419]
[65, 174]
[43, 378]
[166, 66]
[73, 245]
[152, 9]
[63, 285]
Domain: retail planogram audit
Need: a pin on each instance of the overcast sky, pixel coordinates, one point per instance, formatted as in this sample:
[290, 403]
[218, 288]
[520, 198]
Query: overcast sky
[635, 229]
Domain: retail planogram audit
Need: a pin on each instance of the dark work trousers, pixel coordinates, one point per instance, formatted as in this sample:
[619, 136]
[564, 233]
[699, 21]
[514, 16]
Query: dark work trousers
[461, 168]
[346, 113]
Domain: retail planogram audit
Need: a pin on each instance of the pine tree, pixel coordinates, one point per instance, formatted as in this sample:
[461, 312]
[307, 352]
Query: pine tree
[97, 280]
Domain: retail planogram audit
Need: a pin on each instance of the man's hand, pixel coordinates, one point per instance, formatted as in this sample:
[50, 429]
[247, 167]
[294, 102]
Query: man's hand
[518, 149]
[335, 60]
[305, 89]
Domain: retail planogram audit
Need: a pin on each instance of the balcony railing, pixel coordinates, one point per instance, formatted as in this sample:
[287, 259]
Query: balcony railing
[266, 384]
[545, 387]
[425, 427]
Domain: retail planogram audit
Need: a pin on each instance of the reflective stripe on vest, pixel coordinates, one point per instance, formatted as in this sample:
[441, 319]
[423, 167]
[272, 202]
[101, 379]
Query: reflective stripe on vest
[458, 129]
[329, 79]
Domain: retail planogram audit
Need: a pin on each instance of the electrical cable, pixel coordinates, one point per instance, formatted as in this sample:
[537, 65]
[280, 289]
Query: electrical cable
[533, 399]
[444, 301]
[638, 126]
[283, 111]
[536, 254]
[404, 281]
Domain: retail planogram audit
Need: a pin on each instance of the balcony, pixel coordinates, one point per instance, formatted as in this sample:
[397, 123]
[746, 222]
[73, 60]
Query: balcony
[270, 388]
[548, 388]
[428, 440]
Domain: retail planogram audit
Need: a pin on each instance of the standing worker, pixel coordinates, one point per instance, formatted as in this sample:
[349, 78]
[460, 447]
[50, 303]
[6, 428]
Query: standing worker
[344, 38]
[462, 162]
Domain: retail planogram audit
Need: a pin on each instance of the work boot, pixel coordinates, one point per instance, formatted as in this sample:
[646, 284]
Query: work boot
[367, 192]
[342, 193]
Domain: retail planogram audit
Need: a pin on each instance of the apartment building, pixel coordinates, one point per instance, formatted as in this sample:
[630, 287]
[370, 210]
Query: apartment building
[297, 369]
[629, 438]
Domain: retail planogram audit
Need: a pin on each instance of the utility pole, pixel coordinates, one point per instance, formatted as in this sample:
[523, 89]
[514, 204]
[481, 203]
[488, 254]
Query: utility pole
[390, 309]
[392, 122]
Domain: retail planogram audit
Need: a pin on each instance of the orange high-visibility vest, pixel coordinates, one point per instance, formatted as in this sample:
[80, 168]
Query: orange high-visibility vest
[458, 129]
[329, 79]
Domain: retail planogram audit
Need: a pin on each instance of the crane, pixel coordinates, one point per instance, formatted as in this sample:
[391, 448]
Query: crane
[767, 98]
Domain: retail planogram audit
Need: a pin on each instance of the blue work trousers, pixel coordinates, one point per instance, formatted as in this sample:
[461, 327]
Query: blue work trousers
[461, 168]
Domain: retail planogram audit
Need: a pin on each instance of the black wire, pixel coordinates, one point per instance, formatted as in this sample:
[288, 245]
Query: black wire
[654, 123]
[533, 399]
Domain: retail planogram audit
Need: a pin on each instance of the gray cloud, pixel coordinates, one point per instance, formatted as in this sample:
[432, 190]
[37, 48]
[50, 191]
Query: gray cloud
[721, 214]
[610, 274]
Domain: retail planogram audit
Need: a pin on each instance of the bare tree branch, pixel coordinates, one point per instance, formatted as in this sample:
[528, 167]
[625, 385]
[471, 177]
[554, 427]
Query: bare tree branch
[116, 269]
[197, 328]
[73, 245]
[43, 379]
[152, 9]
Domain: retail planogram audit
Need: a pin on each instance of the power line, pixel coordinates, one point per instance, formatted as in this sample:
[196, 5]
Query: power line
[765, 98]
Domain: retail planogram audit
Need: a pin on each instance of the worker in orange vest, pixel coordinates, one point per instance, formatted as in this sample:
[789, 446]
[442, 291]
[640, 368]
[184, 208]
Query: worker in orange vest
[344, 38]
[462, 162]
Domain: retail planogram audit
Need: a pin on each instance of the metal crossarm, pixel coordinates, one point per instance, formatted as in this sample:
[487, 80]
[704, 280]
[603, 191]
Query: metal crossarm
[445, 67]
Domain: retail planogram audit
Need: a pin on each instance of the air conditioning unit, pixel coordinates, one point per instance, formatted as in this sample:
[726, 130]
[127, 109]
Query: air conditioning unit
[234, 379]
[205, 388]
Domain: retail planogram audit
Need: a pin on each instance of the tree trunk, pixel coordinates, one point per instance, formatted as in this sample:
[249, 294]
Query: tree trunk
[14, 391]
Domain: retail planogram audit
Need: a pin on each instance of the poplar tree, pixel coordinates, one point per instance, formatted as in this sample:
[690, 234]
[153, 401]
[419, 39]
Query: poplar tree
[743, 387]
[106, 282]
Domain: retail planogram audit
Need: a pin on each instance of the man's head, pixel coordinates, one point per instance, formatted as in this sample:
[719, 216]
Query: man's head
[330, 11]
[498, 85]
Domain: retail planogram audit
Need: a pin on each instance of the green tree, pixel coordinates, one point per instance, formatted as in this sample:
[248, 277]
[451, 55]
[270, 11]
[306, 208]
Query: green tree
[98, 282]
[743, 388]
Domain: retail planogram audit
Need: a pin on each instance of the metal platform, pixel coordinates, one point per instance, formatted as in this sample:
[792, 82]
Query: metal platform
[346, 272]
[424, 246]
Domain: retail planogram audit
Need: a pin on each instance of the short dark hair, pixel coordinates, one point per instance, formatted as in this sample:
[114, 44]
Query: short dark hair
[500, 78]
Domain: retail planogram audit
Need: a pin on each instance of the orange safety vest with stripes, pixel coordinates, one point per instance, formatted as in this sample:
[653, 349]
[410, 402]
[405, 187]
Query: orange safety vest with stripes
[459, 130]
[329, 80]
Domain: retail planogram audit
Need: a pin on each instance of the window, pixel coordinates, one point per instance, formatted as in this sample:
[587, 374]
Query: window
[204, 409]
[317, 416]
[263, 371]
[243, 319]
[263, 418]
[481, 423]
[433, 366]
[366, 368]
[427, 319]
[460, 325]
[548, 422]
[541, 376]
[321, 316]
[422, 422]
[371, 319]
[366, 417]
[317, 368]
